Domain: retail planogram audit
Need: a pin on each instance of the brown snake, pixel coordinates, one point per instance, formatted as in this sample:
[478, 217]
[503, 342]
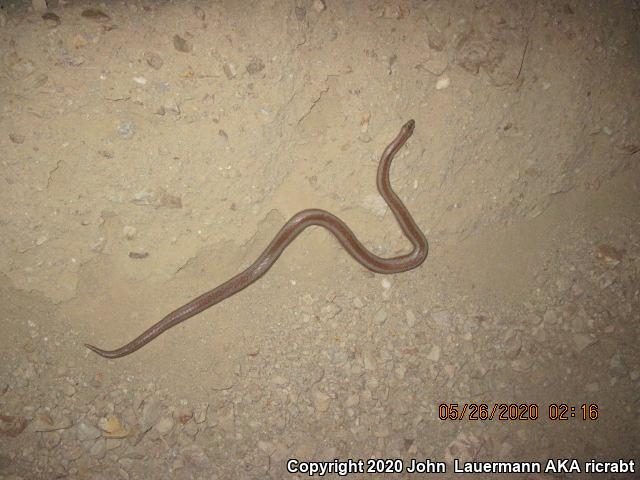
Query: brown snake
[287, 234]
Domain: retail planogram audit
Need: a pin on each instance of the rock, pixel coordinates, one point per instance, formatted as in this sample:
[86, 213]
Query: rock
[194, 455]
[153, 60]
[85, 431]
[300, 13]
[411, 318]
[434, 354]
[582, 341]
[321, 401]
[442, 317]
[51, 440]
[609, 254]
[319, 5]
[183, 414]
[191, 429]
[79, 41]
[437, 64]
[357, 302]
[150, 413]
[164, 425]
[229, 70]
[129, 232]
[181, 44]
[39, 5]
[280, 380]
[386, 284]
[96, 15]
[113, 427]
[72, 452]
[199, 13]
[16, 138]
[171, 107]
[99, 448]
[200, 413]
[69, 390]
[380, 317]
[256, 65]
[443, 82]
[126, 129]
[12, 426]
[51, 19]
[394, 10]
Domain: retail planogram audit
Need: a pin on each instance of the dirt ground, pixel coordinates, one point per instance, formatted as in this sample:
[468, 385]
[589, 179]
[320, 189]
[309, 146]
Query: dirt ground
[151, 150]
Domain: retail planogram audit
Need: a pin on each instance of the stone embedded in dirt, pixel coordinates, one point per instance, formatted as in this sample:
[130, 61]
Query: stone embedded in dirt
[191, 429]
[96, 15]
[609, 254]
[582, 341]
[300, 13]
[394, 10]
[113, 427]
[436, 64]
[12, 425]
[85, 431]
[200, 413]
[443, 83]
[380, 316]
[126, 129]
[51, 440]
[434, 354]
[199, 13]
[255, 65]
[164, 425]
[129, 232]
[229, 70]
[319, 5]
[39, 5]
[183, 414]
[411, 318]
[181, 44]
[321, 401]
[51, 19]
[99, 448]
[16, 138]
[442, 317]
[153, 60]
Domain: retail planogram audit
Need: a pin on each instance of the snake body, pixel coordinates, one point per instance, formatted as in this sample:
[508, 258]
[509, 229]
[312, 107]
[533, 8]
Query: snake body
[299, 222]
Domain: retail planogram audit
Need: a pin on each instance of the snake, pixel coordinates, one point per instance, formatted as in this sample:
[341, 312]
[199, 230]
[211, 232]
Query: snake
[291, 229]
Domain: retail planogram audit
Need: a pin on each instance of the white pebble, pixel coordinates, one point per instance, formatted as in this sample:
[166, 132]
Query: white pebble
[443, 83]
[386, 284]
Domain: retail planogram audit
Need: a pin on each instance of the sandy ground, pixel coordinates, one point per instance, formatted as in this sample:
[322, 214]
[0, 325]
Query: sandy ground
[151, 150]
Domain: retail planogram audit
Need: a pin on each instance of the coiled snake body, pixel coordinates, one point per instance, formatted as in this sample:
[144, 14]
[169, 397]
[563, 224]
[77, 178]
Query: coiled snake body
[286, 235]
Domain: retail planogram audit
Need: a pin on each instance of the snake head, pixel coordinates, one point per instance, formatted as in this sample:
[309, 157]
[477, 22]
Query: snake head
[408, 127]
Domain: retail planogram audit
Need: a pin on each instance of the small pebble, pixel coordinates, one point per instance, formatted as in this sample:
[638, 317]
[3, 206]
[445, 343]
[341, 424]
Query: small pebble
[229, 70]
[434, 354]
[319, 5]
[386, 284]
[181, 44]
[443, 82]
[380, 317]
[129, 232]
[153, 60]
[126, 129]
[164, 425]
[85, 431]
